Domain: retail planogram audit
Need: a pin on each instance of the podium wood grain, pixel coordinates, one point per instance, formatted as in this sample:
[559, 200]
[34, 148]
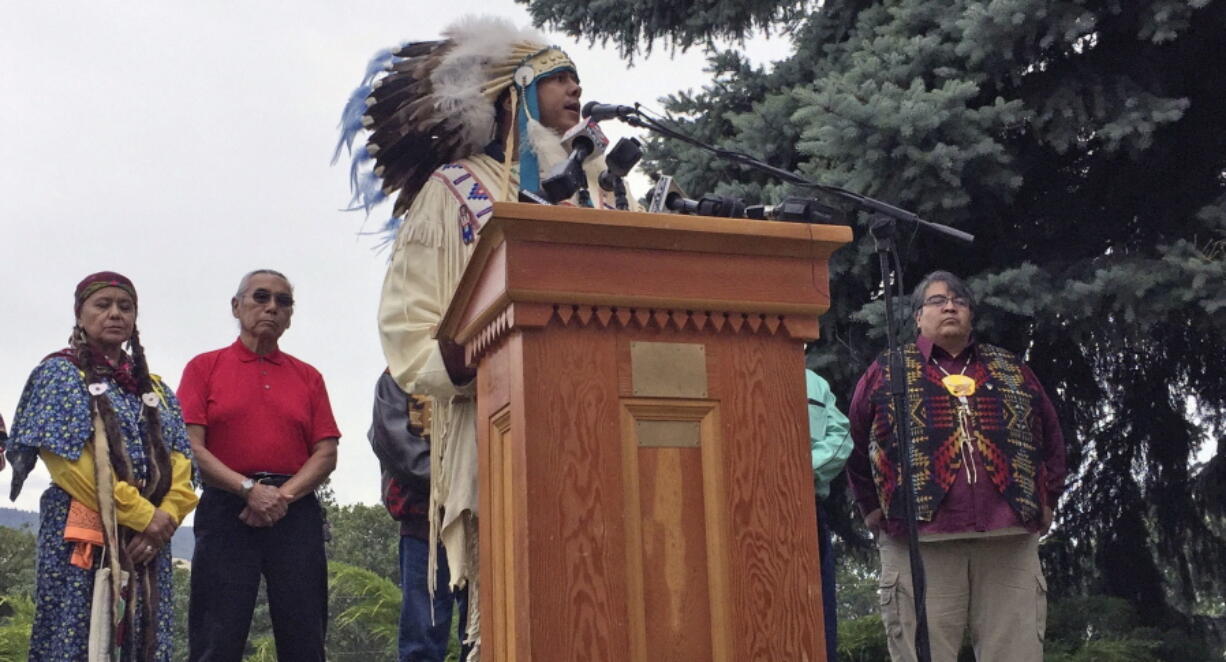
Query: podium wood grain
[596, 544]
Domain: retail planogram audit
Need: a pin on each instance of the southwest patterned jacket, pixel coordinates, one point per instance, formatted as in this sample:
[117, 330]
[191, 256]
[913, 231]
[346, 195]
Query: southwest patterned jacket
[1013, 435]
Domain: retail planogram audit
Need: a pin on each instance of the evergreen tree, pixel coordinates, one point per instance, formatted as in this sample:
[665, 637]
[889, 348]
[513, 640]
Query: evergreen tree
[1082, 143]
[366, 537]
[17, 552]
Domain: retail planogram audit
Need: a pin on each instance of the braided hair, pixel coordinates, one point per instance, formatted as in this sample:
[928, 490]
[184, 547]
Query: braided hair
[157, 481]
[157, 484]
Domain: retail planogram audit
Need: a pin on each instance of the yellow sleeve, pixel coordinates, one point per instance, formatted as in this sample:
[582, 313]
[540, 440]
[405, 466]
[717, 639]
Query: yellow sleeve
[77, 479]
[181, 499]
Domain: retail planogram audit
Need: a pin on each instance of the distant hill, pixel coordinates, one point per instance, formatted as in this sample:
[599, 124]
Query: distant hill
[19, 519]
[181, 546]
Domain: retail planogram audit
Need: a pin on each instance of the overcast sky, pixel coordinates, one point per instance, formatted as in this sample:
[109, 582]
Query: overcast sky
[184, 144]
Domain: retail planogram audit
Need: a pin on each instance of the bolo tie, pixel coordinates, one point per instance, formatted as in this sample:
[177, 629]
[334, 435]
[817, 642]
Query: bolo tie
[962, 387]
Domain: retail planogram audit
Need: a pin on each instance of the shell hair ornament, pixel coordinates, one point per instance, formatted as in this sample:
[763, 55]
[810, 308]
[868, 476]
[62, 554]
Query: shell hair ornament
[429, 103]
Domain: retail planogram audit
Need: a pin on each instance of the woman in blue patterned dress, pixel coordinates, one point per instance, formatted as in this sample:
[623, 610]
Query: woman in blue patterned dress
[93, 401]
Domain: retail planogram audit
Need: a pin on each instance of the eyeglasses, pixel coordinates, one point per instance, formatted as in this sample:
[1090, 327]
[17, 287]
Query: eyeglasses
[941, 300]
[262, 296]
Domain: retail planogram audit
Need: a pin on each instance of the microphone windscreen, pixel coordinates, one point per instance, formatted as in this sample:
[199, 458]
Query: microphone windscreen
[660, 193]
[586, 131]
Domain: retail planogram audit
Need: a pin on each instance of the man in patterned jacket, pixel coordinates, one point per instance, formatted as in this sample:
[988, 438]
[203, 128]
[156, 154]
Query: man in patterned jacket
[989, 470]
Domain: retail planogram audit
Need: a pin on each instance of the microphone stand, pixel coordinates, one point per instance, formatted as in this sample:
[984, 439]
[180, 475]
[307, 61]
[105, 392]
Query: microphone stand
[859, 201]
[884, 229]
[619, 193]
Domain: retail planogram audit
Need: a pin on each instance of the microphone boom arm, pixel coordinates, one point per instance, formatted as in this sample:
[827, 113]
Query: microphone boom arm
[642, 121]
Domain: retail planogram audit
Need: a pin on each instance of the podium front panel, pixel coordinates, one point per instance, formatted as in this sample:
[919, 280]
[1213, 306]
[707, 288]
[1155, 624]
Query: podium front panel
[621, 524]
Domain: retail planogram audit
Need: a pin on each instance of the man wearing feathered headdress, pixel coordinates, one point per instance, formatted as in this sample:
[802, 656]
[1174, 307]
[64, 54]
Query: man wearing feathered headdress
[454, 125]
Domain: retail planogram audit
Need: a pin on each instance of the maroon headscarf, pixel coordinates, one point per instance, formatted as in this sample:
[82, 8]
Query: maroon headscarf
[122, 373]
[94, 282]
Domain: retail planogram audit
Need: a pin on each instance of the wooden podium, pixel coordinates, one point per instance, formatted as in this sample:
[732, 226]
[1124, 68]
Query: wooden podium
[645, 483]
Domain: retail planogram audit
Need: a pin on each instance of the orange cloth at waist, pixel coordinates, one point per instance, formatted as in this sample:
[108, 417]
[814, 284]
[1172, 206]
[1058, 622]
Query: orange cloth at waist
[84, 527]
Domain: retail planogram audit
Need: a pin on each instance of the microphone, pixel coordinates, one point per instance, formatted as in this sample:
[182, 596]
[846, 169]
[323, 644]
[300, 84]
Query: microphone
[599, 112]
[585, 135]
[623, 157]
[797, 210]
[618, 163]
[724, 206]
[585, 139]
[658, 195]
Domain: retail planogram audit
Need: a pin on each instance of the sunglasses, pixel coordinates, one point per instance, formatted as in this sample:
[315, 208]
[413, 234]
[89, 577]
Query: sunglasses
[262, 296]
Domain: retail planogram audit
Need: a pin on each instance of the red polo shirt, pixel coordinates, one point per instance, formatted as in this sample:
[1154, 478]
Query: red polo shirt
[262, 413]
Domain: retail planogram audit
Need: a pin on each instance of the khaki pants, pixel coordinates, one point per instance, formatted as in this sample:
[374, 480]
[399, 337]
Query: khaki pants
[993, 584]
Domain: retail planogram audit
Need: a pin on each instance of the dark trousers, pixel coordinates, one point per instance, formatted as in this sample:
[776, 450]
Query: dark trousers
[425, 624]
[830, 605]
[226, 567]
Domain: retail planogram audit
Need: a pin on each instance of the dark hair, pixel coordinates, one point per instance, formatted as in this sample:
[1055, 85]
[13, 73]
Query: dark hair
[954, 283]
[503, 116]
[157, 482]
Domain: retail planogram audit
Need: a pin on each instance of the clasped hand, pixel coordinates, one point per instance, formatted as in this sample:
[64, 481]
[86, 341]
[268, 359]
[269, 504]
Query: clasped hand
[265, 506]
[144, 546]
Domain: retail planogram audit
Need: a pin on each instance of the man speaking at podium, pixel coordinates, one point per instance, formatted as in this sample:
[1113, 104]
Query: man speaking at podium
[455, 125]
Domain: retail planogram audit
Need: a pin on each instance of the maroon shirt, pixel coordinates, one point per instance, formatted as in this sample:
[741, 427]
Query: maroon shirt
[967, 507]
[262, 413]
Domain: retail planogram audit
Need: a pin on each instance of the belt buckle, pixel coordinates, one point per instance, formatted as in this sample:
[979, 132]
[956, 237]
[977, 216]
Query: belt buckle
[265, 477]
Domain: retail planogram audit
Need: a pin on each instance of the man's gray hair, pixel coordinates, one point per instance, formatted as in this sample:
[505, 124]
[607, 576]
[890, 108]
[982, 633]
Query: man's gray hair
[951, 281]
[242, 284]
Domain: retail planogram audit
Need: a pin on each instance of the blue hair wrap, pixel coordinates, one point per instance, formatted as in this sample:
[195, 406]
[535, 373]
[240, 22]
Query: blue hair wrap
[530, 107]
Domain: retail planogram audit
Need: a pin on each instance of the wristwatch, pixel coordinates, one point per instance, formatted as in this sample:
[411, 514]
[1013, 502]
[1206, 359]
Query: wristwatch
[247, 485]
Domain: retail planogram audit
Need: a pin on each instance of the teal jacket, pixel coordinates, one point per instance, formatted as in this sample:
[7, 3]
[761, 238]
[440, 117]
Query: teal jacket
[829, 434]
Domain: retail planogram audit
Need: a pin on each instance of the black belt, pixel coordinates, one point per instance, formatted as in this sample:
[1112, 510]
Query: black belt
[266, 478]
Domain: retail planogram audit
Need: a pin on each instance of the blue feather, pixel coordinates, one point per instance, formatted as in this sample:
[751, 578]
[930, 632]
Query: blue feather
[380, 62]
[392, 225]
[355, 108]
[368, 194]
[367, 187]
[387, 233]
[390, 229]
[351, 120]
[360, 156]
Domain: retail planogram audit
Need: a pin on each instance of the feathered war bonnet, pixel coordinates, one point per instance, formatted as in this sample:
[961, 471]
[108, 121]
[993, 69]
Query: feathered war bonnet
[428, 103]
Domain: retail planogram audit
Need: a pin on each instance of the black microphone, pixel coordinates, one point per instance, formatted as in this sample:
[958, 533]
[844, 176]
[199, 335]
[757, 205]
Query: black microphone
[585, 139]
[724, 206]
[620, 160]
[798, 210]
[599, 112]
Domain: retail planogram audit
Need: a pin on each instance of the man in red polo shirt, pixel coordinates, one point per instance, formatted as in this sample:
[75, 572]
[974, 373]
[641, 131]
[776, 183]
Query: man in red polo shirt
[264, 438]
